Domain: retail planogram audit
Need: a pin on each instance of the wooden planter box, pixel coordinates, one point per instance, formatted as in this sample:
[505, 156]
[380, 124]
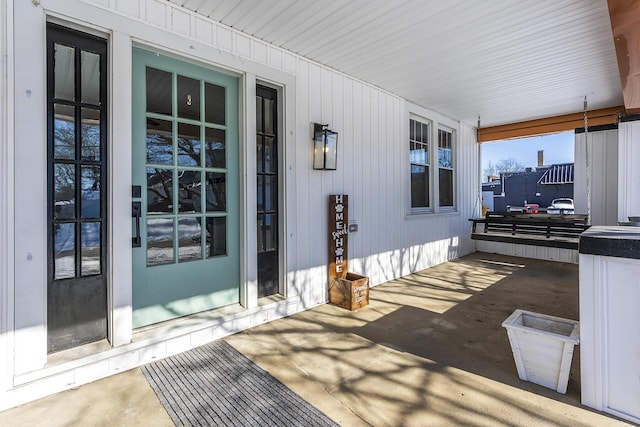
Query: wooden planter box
[351, 293]
[542, 347]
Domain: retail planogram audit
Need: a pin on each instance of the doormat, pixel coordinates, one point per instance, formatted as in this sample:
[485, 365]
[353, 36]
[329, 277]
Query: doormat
[216, 385]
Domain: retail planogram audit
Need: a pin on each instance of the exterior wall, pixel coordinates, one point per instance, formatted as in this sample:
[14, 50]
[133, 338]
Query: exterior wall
[373, 169]
[6, 203]
[628, 173]
[603, 170]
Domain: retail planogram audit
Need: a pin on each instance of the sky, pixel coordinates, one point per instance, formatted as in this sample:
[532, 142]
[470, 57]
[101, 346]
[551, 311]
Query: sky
[557, 147]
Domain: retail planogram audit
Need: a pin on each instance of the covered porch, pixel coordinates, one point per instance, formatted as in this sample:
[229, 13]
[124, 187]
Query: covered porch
[428, 350]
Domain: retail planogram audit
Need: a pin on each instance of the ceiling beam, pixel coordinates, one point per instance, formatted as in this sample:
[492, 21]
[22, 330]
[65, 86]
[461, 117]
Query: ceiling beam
[625, 24]
[566, 122]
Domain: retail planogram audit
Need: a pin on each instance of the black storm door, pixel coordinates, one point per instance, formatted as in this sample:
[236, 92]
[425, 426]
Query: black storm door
[267, 174]
[77, 167]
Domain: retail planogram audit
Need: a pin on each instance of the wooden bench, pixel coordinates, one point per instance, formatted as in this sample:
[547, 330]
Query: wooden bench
[550, 230]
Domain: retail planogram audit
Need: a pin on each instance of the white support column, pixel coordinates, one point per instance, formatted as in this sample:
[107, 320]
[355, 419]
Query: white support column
[120, 266]
[248, 234]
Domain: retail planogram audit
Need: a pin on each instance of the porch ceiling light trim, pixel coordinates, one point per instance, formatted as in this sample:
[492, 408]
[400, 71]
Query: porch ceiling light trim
[325, 148]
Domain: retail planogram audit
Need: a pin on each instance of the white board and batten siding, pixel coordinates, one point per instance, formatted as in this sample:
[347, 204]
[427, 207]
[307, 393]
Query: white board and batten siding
[602, 151]
[628, 170]
[373, 169]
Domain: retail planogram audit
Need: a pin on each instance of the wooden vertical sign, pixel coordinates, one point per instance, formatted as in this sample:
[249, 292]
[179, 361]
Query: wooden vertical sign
[338, 240]
[348, 290]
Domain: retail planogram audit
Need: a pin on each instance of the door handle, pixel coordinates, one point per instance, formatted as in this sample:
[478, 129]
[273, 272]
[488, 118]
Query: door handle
[136, 213]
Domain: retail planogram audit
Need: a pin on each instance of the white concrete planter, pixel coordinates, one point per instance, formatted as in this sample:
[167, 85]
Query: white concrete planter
[542, 347]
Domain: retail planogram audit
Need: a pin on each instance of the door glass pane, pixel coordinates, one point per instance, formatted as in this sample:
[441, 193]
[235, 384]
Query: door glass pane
[64, 132]
[419, 186]
[260, 193]
[216, 236]
[90, 232]
[64, 72]
[90, 181]
[90, 77]
[269, 155]
[159, 142]
[214, 107]
[216, 196]
[269, 105]
[64, 248]
[64, 191]
[260, 233]
[90, 134]
[259, 122]
[189, 191]
[188, 145]
[215, 148]
[188, 98]
[159, 91]
[159, 241]
[189, 239]
[270, 228]
[260, 154]
[159, 190]
[270, 192]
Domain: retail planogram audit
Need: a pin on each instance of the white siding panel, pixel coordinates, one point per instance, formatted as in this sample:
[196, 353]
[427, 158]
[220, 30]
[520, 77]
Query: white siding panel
[275, 57]
[602, 151]
[180, 21]
[127, 7]
[629, 173]
[6, 194]
[243, 45]
[225, 38]
[156, 13]
[205, 31]
[260, 52]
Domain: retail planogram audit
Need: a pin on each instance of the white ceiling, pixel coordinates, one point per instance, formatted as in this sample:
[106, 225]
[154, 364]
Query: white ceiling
[503, 60]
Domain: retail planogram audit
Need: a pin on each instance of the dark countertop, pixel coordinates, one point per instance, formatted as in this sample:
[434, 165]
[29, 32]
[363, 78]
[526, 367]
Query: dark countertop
[614, 241]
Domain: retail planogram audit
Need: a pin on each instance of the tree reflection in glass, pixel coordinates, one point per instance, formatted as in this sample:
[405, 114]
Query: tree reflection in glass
[189, 239]
[90, 134]
[189, 187]
[159, 142]
[159, 241]
[64, 132]
[188, 145]
[216, 196]
[64, 251]
[159, 190]
[215, 148]
[64, 188]
[90, 180]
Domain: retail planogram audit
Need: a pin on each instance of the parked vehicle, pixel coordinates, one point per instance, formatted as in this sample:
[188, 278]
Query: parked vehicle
[561, 206]
[528, 208]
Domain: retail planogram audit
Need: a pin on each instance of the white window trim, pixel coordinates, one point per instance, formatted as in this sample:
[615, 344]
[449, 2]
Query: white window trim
[436, 121]
[430, 208]
[454, 161]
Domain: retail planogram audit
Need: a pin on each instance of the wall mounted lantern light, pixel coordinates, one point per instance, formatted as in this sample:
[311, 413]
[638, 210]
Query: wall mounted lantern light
[325, 147]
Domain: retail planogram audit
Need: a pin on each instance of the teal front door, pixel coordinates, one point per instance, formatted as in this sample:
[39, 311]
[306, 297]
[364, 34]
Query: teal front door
[186, 228]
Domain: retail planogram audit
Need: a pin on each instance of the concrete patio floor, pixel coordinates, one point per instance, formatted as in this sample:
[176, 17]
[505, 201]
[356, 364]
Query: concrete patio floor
[429, 350]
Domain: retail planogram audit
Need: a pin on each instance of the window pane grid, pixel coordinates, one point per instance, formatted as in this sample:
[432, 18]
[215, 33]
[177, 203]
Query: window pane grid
[419, 138]
[186, 168]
